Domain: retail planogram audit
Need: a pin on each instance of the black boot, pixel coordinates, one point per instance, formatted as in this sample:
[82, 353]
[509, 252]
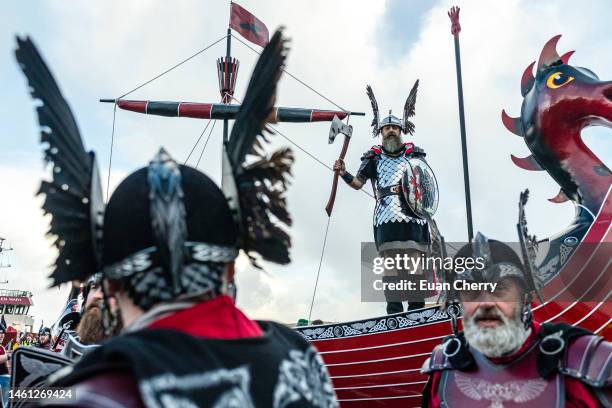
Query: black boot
[414, 305]
[394, 307]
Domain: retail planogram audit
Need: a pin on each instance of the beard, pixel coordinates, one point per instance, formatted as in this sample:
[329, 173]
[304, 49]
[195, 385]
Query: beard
[498, 341]
[392, 143]
[90, 327]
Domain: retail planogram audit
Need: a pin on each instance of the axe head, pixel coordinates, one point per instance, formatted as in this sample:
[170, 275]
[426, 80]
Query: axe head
[337, 126]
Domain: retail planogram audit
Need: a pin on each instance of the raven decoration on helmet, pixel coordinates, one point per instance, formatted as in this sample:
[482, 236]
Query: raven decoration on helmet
[166, 240]
[409, 110]
[73, 197]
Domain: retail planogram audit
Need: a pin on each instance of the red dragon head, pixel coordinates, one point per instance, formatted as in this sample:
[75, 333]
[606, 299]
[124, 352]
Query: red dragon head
[558, 103]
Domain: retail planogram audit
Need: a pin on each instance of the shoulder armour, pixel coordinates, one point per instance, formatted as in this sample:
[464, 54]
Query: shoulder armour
[376, 149]
[437, 361]
[372, 152]
[589, 359]
[417, 151]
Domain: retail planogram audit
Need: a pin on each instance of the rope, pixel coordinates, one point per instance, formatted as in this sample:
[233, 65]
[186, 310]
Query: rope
[110, 158]
[294, 77]
[314, 292]
[173, 67]
[206, 143]
[311, 155]
[304, 150]
[197, 142]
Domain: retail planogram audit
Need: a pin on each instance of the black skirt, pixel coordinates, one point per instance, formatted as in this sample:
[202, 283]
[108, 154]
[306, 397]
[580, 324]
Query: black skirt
[393, 235]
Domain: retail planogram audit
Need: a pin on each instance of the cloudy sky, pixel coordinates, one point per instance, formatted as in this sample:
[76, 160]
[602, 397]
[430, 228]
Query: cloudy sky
[102, 49]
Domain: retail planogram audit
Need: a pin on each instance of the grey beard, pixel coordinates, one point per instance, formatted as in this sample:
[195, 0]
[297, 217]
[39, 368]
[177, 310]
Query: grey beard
[392, 144]
[498, 341]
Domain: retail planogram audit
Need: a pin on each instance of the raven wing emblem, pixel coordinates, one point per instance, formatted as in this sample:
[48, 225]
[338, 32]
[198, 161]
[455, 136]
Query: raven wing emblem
[498, 393]
[530, 389]
[36, 369]
[469, 387]
[410, 108]
[374, 104]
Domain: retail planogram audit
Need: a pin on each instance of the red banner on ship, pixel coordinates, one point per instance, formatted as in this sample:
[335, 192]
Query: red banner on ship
[249, 26]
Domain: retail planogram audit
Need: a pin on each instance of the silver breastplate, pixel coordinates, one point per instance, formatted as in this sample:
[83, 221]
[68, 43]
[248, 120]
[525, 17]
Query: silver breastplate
[389, 170]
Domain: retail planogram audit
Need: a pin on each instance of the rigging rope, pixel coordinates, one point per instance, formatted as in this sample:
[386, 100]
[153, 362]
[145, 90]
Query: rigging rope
[206, 143]
[110, 157]
[311, 155]
[294, 77]
[314, 292]
[211, 130]
[173, 67]
[303, 149]
[197, 142]
[319, 269]
[110, 160]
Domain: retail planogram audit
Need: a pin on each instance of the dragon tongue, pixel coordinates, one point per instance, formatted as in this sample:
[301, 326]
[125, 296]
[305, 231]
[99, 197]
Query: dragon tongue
[559, 198]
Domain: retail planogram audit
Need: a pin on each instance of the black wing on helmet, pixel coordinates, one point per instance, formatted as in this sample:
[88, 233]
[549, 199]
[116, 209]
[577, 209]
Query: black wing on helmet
[73, 197]
[410, 108]
[260, 180]
[374, 104]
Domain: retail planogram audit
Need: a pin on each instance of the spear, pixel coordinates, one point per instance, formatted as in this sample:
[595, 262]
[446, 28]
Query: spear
[455, 29]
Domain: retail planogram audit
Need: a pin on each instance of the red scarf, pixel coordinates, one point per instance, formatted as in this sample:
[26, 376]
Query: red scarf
[218, 318]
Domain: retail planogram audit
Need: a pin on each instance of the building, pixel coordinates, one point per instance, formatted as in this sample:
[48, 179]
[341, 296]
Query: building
[15, 306]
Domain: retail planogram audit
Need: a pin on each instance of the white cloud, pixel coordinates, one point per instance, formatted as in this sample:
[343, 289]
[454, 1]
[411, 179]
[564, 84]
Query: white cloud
[103, 49]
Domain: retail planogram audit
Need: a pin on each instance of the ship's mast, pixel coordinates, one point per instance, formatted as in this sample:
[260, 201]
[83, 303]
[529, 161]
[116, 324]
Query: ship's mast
[227, 93]
[2, 250]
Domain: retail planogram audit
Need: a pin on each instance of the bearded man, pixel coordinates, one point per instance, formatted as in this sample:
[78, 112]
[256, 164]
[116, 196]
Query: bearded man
[503, 358]
[90, 330]
[44, 338]
[397, 229]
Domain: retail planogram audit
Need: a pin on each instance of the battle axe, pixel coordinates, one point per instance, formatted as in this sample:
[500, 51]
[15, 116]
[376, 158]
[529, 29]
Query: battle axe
[347, 130]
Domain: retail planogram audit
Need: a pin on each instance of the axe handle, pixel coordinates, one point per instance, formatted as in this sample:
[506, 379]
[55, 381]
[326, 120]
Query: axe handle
[332, 196]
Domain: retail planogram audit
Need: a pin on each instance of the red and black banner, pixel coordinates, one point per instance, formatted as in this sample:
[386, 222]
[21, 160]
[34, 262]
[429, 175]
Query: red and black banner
[249, 26]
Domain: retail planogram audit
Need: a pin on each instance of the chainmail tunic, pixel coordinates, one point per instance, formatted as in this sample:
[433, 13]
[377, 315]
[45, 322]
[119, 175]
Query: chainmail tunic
[395, 226]
[389, 170]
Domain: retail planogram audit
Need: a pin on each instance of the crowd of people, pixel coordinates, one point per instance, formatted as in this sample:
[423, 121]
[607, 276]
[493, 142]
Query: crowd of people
[43, 339]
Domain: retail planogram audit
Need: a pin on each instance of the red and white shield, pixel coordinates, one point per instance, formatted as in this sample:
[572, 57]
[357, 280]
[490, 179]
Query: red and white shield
[420, 188]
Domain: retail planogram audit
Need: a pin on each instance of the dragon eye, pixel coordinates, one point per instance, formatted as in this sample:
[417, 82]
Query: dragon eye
[558, 79]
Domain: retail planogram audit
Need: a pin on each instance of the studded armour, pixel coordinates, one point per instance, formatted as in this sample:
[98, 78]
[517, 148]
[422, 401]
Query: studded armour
[389, 170]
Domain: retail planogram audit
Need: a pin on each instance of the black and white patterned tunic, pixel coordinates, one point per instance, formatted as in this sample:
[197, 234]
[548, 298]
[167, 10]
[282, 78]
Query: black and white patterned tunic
[395, 226]
[173, 369]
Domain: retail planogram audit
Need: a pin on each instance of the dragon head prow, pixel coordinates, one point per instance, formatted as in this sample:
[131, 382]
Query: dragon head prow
[559, 102]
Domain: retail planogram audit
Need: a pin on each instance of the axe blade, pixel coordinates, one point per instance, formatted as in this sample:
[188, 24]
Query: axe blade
[338, 127]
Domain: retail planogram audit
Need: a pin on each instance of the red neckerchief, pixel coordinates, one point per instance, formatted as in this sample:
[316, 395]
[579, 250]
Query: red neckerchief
[407, 146]
[218, 318]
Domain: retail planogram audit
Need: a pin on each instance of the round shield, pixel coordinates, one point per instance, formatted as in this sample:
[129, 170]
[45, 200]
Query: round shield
[420, 188]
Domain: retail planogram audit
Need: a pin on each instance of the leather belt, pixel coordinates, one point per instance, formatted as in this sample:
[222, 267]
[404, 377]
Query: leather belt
[383, 192]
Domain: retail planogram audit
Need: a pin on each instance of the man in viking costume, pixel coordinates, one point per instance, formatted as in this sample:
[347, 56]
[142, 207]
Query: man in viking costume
[89, 330]
[44, 338]
[165, 244]
[504, 359]
[397, 228]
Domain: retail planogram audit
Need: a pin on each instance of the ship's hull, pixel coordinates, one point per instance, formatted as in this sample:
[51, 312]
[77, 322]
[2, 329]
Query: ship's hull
[376, 362]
